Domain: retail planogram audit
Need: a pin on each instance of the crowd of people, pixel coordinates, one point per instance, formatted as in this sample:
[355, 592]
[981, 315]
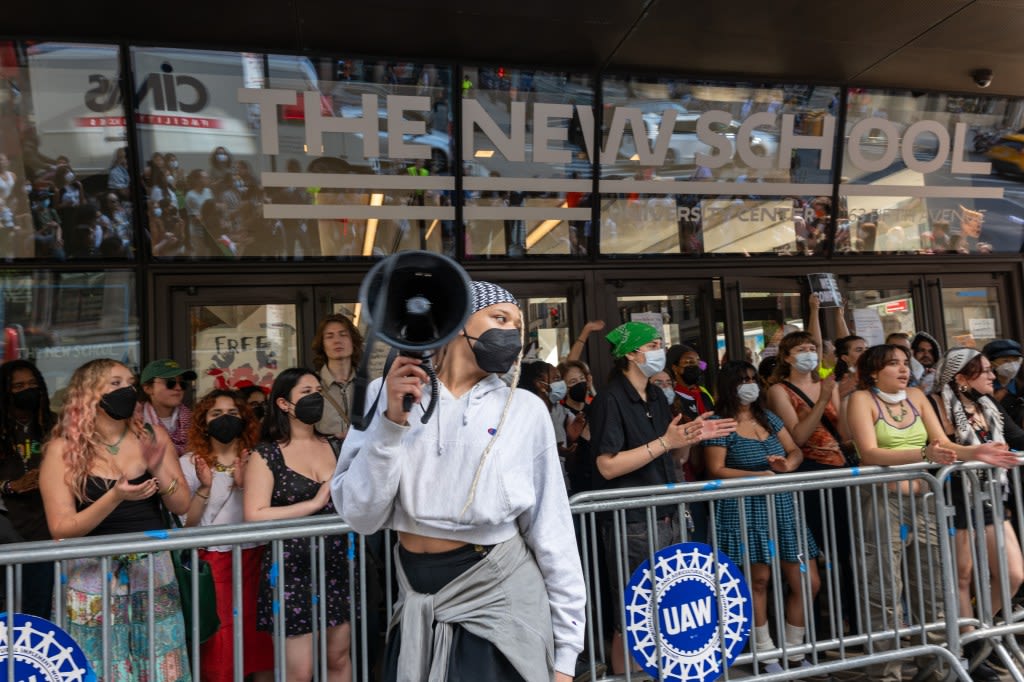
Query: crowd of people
[127, 452]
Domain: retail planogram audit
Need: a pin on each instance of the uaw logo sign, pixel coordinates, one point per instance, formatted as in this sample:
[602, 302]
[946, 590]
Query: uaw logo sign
[42, 652]
[695, 612]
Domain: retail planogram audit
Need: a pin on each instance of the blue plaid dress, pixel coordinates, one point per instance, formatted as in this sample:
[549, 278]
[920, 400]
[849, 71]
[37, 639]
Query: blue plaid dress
[752, 455]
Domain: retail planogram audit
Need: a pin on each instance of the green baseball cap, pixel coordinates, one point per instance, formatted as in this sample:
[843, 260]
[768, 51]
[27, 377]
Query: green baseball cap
[166, 369]
[627, 337]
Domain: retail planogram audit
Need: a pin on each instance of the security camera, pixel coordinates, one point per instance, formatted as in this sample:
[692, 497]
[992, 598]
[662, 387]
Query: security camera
[982, 77]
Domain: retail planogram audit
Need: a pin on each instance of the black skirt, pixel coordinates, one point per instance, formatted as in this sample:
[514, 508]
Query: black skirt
[472, 658]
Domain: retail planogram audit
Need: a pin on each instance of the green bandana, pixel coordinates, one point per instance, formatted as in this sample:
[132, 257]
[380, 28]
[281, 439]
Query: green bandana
[627, 337]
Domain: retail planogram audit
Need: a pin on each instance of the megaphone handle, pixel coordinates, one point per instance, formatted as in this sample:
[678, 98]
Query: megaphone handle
[407, 402]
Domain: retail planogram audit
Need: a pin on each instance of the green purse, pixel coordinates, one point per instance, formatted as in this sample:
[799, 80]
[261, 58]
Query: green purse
[209, 621]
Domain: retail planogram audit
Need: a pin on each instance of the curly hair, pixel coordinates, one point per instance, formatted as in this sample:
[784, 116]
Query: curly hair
[77, 424]
[199, 439]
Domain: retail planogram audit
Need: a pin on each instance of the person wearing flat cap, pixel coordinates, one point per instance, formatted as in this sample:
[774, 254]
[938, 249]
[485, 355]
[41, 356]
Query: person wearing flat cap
[490, 583]
[637, 442]
[165, 384]
[970, 417]
[1005, 356]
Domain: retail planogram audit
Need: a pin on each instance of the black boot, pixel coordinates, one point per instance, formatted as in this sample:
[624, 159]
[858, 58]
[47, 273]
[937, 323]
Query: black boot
[982, 672]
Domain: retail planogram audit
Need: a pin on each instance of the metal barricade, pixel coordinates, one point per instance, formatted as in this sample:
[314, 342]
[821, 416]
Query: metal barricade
[887, 570]
[106, 558]
[887, 591]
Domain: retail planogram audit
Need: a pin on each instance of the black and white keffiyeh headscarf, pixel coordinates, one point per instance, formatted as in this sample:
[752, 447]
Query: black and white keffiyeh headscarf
[486, 294]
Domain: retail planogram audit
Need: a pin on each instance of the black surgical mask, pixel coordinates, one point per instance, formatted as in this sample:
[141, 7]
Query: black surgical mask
[226, 428]
[691, 375]
[258, 410]
[578, 392]
[120, 404]
[28, 399]
[310, 409]
[496, 350]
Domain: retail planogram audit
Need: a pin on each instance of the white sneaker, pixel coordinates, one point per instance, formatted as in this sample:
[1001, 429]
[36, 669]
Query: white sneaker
[773, 667]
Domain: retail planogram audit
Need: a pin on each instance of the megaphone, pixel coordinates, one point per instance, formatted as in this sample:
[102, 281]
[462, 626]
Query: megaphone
[416, 302]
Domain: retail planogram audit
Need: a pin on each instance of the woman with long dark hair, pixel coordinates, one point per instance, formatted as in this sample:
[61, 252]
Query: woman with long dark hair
[25, 423]
[893, 424]
[761, 446]
[970, 416]
[220, 440]
[290, 479]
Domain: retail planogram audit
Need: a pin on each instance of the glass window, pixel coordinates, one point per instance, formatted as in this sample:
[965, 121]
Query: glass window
[61, 320]
[676, 316]
[251, 155]
[547, 329]
[767, 317]
[65, 192]
[931, 174]
[971, 315]
[715, 168]
[876, 313]
[527, 168]
[236, 345]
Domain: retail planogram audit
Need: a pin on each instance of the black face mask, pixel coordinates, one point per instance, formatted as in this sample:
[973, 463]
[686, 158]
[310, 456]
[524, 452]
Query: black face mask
[578, 392]
[496, 350]
[310, 409]
[120, 404]
[226, 428]
[27, 400]
[691, 375]
[259, 410]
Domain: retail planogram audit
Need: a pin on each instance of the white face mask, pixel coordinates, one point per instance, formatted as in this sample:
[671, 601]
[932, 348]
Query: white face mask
[748, 393]
[670, 394]
[1007, 371]
[892, 398]
[806, 362]
[222, 157]
[556, 391]
[654, 362]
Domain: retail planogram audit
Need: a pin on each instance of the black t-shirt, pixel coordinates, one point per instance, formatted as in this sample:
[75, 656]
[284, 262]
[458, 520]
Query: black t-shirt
[621, 420]
[17, 458]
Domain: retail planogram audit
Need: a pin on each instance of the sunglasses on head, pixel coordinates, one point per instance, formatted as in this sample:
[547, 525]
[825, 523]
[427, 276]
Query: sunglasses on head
[174, 383]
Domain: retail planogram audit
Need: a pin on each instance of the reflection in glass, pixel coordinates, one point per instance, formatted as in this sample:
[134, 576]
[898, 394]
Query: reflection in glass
[62, 320]
[676, 316]
[240, 345]
[527, 167]
[925, 174]
[547, 322]
[767, 317]
[697, 168]
[876, 313]
[64, 187]
[250, 155]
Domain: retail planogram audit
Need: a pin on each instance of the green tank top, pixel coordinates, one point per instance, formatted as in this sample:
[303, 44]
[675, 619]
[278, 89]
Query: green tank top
[890, 437]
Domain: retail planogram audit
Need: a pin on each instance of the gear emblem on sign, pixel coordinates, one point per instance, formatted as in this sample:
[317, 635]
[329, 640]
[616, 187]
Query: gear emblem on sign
[689, 615]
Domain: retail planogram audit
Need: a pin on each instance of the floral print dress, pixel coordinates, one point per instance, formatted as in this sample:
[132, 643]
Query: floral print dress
[301, 598]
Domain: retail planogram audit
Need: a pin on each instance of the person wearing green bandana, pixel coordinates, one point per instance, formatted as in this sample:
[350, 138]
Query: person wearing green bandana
[637, 443]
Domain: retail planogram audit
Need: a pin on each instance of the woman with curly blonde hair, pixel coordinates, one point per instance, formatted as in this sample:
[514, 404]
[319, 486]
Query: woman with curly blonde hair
[103, 473]
[222, 434]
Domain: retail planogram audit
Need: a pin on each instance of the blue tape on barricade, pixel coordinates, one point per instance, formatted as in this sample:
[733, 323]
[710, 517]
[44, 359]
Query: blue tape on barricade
[828, 565]
[157, 534]
[351, 547]
[904, 532]
[316, 599]
[272, 578]
[771, 548]
[670, 486]
[275, 606]
[234, 613]
[952, 531]
[63, 578]
[713, 485]
[803, 567]
[855, 471]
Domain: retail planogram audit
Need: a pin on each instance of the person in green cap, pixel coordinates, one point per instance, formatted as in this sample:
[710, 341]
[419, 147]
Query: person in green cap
[637, 442]
[164, 386]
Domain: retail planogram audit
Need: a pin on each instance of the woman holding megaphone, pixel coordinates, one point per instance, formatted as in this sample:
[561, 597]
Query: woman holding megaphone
[477, 498]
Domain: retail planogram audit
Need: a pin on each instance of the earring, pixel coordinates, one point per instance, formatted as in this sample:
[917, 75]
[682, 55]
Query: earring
[962, 388]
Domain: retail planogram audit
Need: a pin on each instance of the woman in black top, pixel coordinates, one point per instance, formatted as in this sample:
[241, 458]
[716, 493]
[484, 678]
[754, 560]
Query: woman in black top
[25, 423]
[970, 416]
[104, 472]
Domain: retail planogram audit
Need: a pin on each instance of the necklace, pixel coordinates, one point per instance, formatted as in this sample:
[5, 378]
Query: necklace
[114, 448]
[896, 418]
[224, 468]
